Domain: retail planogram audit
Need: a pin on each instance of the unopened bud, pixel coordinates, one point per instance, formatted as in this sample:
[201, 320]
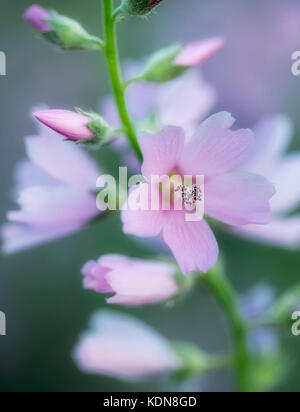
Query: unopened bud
[139, 7]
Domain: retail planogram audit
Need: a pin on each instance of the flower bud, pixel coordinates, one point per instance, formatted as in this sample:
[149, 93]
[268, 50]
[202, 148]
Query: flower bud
[173, 61]
[60, 30]
[88, 127]
[139, 7]
[37, 16]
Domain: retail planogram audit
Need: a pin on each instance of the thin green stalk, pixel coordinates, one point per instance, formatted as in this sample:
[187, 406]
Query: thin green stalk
[227, 299]
[112, 57]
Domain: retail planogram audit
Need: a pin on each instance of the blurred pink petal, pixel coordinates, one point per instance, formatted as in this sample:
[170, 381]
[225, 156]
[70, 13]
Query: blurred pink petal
[196, 53]
[192, 243]
[215, 148]
[18, 237]
[133, 281]
[62, 160]
[121, 346]
[36, 16]
[285, 174]
[273, 136]
[54, 205]
[70, 124]
[283, 232]
[238, 198]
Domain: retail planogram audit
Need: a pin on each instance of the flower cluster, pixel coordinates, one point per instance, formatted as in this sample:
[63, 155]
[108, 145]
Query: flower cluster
[160, 112]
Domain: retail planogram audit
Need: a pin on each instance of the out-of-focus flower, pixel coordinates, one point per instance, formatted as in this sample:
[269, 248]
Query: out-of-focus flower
[133, 282]
[196, 53]
[37, 16]
[263, 340]
[70, 124]
[171, 62]
[153, 106]
[269, 157]
[121, 346]
[232, 196]
[54, 192]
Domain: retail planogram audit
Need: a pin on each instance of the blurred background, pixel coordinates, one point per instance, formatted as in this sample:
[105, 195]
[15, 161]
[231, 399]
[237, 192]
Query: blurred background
[40, 289]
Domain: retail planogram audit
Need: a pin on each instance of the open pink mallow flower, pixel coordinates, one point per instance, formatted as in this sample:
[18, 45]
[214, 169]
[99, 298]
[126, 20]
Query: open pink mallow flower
[196, 53]
[123, 347]
[270, 158]
[54, 191]
[133, 282]
[70, 124]
[232, 196]
[37, 16]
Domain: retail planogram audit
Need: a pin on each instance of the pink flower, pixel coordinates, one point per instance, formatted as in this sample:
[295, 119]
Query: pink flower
[54, 190]
[232, 196]
[269, 157]
[37, 16]
[121, 346]
[196, 53]
[70, 124]
[134, 282]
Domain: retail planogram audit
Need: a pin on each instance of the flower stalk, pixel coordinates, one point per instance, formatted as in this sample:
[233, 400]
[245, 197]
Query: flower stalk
[112, 58]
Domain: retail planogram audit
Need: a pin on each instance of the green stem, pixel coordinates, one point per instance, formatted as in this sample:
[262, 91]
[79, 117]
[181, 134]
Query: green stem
[227, 299]
[112, 57]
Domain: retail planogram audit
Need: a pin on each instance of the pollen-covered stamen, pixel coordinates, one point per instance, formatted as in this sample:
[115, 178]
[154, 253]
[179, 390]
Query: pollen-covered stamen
[190, 194]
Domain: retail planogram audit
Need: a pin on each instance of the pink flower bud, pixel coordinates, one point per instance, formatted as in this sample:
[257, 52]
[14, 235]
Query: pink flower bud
[196, 53]
[36, 15]
[70, 124]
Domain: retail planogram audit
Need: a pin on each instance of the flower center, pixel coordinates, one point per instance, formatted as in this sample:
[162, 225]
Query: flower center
[190, 194]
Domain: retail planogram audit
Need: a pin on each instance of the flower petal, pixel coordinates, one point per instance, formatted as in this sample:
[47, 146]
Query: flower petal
[121, 346]
[193, 244]
[144, 223]
[161, 151]
[285, 175]
[63, 160]
[238, 198]
[282, 232]
[273, 136]
[196, 53]
[215, 148]
[55, 205]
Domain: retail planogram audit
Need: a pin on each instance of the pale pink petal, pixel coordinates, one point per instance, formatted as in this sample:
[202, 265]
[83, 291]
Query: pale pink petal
[94, 277]
[215, 148]
[27, 174]
[161, 151]
[138, 282]
[196, 53]
[121, 346]
[285, 174]
[283, 232]
[144, 223]
[193, 244]
[273, 136]
[238, 198]
[18, 237]
[185, 101]
[37, 16]
[55, 205]
[63, 160]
